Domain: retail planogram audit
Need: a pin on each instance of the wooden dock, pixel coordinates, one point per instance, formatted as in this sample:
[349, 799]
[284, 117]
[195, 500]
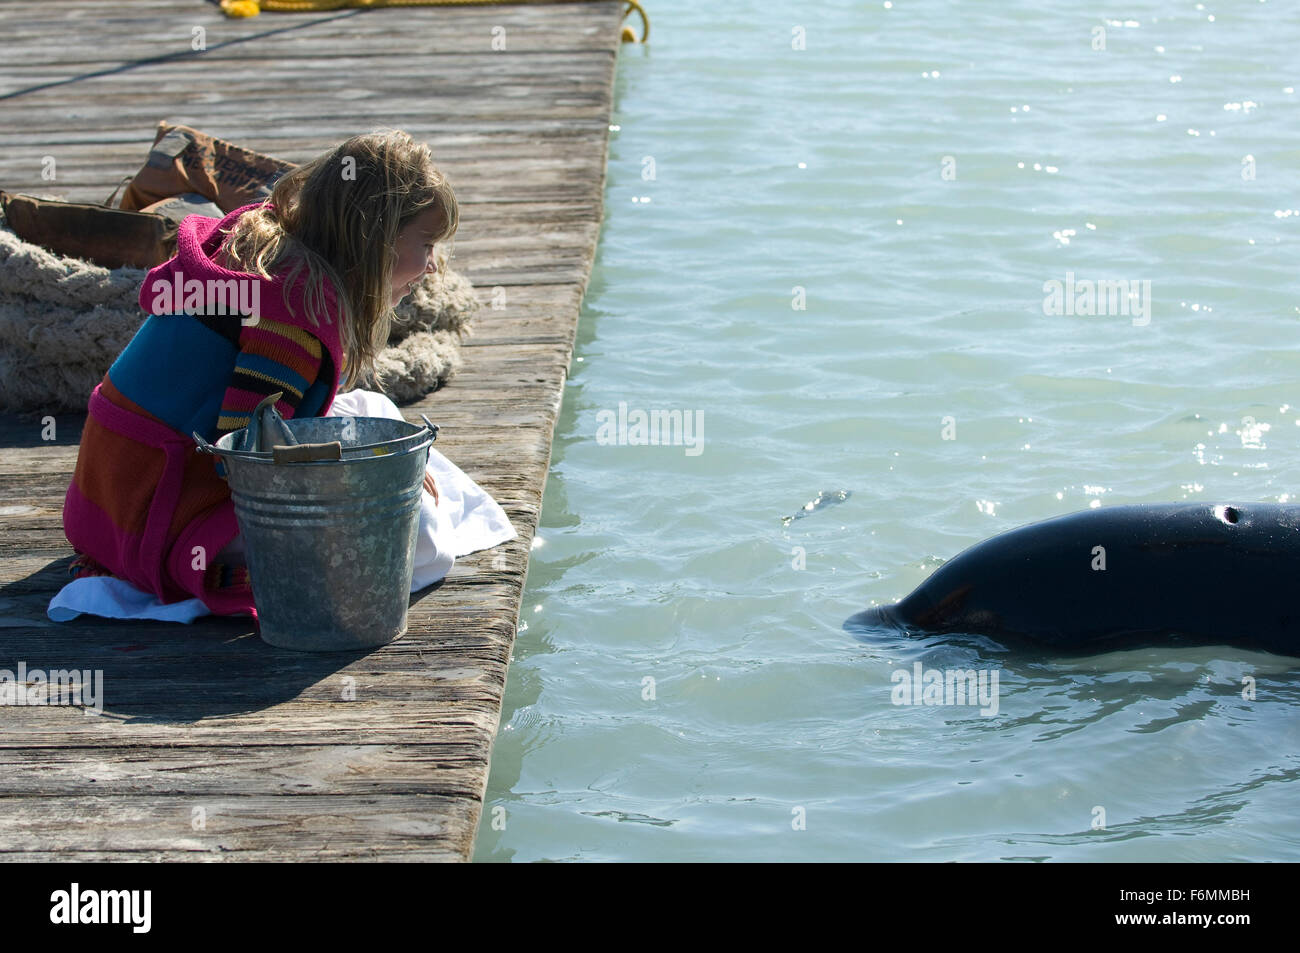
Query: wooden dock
[212, 745]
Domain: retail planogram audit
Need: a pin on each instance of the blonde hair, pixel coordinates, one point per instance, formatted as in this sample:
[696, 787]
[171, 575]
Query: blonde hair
[337, 218]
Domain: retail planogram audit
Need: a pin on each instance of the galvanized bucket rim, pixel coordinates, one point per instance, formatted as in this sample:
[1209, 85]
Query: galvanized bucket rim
[363, 454]
[413, 442]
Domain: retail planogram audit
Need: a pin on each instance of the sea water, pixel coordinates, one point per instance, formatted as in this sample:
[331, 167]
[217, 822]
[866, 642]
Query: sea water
[838, 239]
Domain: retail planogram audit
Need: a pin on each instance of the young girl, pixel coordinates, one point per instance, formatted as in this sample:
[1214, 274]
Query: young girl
[293, 295]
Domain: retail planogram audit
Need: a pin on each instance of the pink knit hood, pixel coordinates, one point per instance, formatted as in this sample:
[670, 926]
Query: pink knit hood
[197, 241]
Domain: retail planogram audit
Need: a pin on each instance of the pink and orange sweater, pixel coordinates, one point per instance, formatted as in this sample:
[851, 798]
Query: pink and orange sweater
[144, 505]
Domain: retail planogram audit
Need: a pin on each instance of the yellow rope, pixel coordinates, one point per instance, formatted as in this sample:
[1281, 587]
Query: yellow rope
[251, 8]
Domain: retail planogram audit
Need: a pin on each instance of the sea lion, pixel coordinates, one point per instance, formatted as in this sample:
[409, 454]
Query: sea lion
[1120, 576]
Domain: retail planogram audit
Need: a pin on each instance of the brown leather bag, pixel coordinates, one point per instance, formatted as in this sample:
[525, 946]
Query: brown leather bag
[186, 160]
[109, 237]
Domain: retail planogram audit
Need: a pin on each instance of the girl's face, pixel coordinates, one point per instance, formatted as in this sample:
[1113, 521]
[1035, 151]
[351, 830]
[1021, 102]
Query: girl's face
[414, 252]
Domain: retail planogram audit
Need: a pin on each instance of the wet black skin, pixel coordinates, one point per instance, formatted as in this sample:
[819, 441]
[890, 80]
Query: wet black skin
[1176, 573]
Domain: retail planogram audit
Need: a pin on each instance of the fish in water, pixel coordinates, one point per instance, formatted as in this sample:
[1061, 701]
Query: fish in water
[1117, 577]
[822, 500]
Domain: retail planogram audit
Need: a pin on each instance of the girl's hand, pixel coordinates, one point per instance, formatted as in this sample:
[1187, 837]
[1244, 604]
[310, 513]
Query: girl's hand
[430, 487]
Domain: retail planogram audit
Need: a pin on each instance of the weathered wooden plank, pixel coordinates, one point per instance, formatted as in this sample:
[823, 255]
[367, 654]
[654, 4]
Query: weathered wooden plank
[140, 26]
[296, 142]
[171, 37]
[400, 93]
[56, 17]
[330, 113]
[357, 69]
[282, 136]
[149, 42]
[177, 725]
[275, 826]
[72, 853]
[434, 767]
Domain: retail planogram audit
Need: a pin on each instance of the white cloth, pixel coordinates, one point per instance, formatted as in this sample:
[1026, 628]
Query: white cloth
[118, 599]
[464, 520]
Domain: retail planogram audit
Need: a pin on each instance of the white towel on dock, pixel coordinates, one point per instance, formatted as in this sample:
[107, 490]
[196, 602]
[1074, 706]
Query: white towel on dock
[464, 520]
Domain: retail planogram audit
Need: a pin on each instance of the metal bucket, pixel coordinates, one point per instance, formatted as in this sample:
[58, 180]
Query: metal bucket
[330, 528]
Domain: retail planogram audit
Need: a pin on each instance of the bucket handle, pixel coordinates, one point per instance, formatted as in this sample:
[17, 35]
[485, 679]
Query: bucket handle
[203, 446]
[307, 452]
[214, 451]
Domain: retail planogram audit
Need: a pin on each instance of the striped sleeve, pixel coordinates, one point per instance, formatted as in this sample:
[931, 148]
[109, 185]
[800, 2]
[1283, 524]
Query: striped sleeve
[272, 357]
